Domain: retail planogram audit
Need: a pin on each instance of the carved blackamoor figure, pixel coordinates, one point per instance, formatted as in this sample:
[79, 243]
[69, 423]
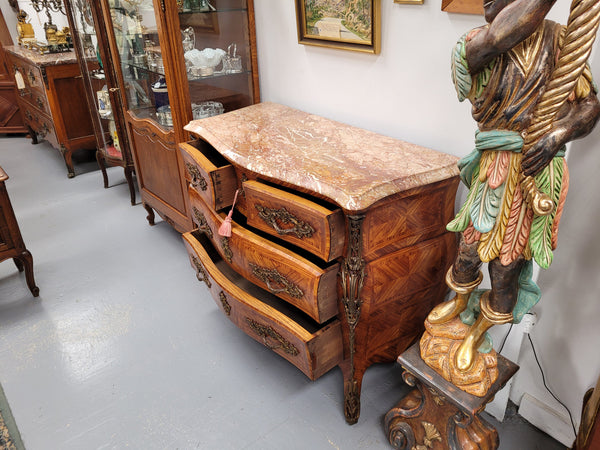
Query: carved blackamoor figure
[503, 69]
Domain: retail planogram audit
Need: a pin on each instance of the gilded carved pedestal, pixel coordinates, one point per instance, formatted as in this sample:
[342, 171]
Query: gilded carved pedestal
[436, 411]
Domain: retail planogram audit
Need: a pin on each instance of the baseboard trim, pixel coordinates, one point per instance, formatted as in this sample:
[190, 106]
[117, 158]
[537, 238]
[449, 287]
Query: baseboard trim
[547, 419]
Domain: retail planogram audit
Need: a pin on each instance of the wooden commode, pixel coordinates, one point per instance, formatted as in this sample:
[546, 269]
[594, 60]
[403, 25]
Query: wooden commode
[338, 247]
[52, 100]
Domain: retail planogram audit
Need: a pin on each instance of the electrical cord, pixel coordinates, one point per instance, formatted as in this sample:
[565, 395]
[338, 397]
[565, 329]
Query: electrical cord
[546, 386]
[505, 338]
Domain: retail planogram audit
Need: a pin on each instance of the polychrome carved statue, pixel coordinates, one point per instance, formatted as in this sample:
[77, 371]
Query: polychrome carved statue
[531, 93]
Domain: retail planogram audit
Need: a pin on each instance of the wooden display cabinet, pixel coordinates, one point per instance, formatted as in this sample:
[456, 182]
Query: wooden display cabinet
[157, 49]
[90, 41]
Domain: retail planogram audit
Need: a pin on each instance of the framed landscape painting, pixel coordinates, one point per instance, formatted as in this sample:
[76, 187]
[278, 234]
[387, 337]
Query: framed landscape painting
[346, 24]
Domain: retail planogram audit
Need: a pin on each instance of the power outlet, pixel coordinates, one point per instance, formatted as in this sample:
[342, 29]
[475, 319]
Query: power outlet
[528, 321]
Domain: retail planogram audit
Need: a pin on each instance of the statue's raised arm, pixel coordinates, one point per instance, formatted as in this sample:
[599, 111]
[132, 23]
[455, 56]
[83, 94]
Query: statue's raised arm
[510, 22]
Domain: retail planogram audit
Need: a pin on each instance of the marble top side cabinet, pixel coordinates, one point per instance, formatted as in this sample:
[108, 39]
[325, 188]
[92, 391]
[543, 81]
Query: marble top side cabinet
[338, 247]
[52, 100]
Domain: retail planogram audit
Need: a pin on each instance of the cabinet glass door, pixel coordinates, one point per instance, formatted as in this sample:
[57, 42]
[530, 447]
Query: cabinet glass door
[86, 43]
[141, 59]
[216, 38]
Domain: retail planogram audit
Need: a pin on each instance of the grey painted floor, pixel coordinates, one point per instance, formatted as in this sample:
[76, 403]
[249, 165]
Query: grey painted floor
[125, 349]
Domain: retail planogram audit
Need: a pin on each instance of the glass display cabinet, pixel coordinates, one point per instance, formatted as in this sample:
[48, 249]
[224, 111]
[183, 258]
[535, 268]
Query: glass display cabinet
[177, 60]
[101, 86]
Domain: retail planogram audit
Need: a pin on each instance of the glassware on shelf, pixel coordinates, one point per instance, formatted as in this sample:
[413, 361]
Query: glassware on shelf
[203, 62]
[200, 6]
[206, 109]
[231, 62]
[140, 60]
[163, 114]
[188, 39]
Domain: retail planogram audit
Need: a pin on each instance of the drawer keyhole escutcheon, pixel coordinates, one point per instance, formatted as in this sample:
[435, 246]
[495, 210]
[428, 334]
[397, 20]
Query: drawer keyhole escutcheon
[267, 332]
[225, 303]
[226, 249]
[274, 217]
[197, 178]
[201, 273]
[275, 281]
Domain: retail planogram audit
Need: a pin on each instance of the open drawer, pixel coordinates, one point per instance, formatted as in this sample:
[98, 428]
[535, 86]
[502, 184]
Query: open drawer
[209, 173]
[312, 348]
[309, 224]
[308, 284]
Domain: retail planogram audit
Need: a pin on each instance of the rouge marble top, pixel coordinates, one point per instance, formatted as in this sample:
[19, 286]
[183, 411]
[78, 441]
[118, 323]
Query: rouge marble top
[47, 59]
[351, 166]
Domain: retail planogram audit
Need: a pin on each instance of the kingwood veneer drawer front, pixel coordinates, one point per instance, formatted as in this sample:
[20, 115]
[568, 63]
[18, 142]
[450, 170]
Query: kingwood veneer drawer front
[37, 99]
[209, 173]
[313, 226]
[40, 123]
[310, 286]
[31, 74]
[311, 348]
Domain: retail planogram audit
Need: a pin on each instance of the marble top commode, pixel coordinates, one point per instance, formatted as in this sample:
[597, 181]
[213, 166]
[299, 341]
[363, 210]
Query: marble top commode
[353, 167]
[46, 59]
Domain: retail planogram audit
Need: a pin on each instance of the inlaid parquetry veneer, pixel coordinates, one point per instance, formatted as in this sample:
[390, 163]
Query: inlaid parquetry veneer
[338, 248]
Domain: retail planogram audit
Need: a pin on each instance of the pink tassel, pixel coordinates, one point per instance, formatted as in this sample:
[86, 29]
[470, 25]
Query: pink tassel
[225, 228]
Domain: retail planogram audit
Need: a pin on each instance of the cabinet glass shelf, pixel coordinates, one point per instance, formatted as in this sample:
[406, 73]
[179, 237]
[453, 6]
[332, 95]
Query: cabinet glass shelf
[219, 10]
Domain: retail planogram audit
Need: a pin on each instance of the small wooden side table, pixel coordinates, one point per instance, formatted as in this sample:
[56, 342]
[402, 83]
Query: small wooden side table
[11, 241]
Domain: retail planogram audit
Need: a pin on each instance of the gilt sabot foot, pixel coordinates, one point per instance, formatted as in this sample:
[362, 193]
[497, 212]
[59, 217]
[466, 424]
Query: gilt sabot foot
[466, 352]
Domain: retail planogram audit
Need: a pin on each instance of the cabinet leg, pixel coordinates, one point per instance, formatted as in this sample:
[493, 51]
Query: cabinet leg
[26, 261]
[129, 178]
[67, 155]
[19, 264]
[33, 135]
[102, 165]
[352, 276]
[352, 388]
[150, 216]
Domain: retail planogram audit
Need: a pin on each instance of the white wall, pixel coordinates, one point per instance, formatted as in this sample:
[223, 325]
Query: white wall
[405, 92]
[10, 18]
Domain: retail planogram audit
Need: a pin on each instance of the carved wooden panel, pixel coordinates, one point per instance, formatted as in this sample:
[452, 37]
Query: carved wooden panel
[158, 167]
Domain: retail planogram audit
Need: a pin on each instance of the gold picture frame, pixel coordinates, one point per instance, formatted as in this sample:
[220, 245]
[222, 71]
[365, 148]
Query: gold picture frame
[409, 2]
[330, 24]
